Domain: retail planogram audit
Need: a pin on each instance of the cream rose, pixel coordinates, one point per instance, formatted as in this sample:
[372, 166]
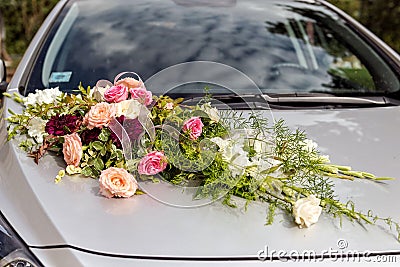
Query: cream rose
[128, 108]
[130, 83]
[306, 211]
[100, 115]
[72, 149]
[117, 182]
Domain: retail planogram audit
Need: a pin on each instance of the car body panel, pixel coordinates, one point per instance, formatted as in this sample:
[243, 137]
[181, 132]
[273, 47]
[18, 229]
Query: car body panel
[70, 221]
[72, 212]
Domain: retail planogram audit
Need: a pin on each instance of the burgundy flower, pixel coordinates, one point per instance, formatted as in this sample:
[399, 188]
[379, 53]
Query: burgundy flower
[62, 124]
[90, 135]
[132, 127]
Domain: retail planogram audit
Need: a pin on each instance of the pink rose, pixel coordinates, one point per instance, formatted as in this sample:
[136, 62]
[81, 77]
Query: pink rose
[116, 94]
[142, 95]
[130, 83]
[193, 126]
[72, 149]
[99, 115]
[152, 163]
[117, 182]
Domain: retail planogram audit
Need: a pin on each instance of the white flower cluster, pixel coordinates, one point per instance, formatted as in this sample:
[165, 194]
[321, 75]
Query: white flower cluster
[310, 146]
[235, 150]
[36, 129]
[46, 96]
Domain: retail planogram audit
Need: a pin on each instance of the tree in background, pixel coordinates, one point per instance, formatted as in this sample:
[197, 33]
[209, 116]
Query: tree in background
[23, 18]
[382, 17]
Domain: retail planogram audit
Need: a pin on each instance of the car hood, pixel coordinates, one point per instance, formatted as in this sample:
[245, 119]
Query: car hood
[73, 213]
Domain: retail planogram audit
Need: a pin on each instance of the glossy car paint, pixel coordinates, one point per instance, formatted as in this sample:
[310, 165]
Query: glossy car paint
[70, 224]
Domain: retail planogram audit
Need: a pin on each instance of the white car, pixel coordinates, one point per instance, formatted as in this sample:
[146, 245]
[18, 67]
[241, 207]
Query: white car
[304, 61]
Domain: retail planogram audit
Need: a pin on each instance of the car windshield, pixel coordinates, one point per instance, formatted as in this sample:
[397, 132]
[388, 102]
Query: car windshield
[284, 47]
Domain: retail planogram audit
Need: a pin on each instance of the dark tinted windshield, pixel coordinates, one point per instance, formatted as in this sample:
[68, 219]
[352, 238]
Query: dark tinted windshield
[282, 46]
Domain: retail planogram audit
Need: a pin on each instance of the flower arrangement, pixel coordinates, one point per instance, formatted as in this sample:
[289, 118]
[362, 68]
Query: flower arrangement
[119, 133]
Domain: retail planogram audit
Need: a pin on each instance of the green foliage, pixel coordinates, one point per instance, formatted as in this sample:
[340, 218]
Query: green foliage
[23, 18]
[382, 17]
[100, 155]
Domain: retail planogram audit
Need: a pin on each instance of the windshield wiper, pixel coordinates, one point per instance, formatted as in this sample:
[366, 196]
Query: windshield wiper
[302, 100]
[329, 100]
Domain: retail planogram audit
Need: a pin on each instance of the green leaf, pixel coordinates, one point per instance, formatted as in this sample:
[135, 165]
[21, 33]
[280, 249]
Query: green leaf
[103, 136]
[271, 170]
[140, 192]
[98, 164]
[119, 154]
[103, 151]
[91, 153]
[87, 171]
[97, 145]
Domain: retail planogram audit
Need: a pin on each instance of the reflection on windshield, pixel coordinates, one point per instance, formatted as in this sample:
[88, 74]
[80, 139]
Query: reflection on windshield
[282, 47]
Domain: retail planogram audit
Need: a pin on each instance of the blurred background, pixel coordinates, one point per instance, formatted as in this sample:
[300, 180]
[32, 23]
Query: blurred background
[20, 19]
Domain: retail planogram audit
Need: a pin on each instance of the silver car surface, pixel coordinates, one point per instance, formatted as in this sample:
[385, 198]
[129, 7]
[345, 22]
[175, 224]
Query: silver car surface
[70, 224]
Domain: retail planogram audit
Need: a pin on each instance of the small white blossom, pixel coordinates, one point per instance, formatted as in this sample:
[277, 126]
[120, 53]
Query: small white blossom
[232, 152]
[309, 145]
[71, 169]
[36, 129]
[46, 96]
[325, 159]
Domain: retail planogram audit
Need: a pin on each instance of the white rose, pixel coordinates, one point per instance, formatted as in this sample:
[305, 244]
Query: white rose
[129, 108]
[36, 129]
[306, 211]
